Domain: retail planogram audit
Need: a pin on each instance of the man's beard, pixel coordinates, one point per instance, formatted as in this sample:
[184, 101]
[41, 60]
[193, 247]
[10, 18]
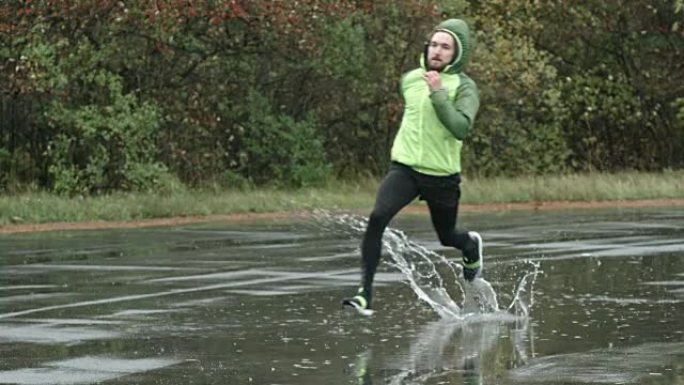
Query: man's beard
[436, 66]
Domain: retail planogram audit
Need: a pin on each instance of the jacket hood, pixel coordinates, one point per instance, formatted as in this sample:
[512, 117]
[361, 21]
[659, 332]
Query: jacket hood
[459, 30]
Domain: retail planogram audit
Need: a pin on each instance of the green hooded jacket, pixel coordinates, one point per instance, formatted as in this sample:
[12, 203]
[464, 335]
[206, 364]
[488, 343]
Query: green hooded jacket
[434, 124]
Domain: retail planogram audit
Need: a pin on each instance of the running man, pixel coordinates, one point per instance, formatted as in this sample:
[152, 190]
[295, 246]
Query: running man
[440, 104]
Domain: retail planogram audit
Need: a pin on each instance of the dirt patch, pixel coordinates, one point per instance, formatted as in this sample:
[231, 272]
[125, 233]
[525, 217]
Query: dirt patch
[161, 222]
[565, 205]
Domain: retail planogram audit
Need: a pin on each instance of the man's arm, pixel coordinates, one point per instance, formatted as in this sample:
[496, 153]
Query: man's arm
[457, 117]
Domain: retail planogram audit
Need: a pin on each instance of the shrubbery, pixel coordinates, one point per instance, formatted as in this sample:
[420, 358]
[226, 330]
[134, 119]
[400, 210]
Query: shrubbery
[111, 95]
[280, 151]
[104, 147]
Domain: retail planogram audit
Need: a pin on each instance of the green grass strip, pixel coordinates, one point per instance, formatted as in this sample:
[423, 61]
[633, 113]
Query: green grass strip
[41, 207]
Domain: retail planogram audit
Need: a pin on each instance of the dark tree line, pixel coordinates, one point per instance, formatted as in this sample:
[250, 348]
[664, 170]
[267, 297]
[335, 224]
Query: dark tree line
[104, 95]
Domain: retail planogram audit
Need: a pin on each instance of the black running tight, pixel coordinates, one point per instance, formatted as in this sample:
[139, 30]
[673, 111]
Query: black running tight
[400, 186]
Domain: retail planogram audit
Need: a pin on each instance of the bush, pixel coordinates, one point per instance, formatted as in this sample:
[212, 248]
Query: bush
[277, 150]
[104, 147]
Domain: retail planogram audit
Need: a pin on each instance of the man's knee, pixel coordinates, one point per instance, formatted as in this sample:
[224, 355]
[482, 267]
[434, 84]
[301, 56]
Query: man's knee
[379, 218]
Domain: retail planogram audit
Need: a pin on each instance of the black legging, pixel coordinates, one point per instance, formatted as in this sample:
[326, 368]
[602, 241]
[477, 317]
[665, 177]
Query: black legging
[401, 186]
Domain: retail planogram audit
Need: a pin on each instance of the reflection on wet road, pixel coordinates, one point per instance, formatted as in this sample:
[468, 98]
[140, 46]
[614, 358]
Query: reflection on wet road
[259, 303]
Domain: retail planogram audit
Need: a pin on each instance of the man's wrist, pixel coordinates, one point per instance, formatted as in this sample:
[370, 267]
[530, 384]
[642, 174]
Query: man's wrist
[442, 88]
[440, 94]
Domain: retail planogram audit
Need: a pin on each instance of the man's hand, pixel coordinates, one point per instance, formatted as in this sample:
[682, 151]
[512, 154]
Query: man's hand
[433, 80]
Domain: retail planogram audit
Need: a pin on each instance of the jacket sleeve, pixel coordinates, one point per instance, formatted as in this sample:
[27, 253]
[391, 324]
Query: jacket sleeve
[457, 116]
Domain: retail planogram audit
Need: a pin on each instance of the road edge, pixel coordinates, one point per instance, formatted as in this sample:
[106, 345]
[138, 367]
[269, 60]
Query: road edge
[414, 209]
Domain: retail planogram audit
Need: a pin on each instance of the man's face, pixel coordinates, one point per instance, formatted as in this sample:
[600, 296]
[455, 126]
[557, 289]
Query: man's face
[440, 51]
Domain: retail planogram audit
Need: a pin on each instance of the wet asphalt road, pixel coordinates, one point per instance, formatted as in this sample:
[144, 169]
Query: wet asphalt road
[259, 303]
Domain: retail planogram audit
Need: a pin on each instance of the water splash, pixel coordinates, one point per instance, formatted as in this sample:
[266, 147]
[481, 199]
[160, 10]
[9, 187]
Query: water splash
[436, 280]
[523, 296]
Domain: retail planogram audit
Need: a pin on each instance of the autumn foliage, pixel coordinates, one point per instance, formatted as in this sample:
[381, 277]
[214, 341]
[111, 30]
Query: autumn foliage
[104, 95]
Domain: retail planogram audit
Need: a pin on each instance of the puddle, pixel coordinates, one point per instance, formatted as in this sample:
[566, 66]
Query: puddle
[85, 370]
[588, 297]
[633, 365]
[52, 334]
